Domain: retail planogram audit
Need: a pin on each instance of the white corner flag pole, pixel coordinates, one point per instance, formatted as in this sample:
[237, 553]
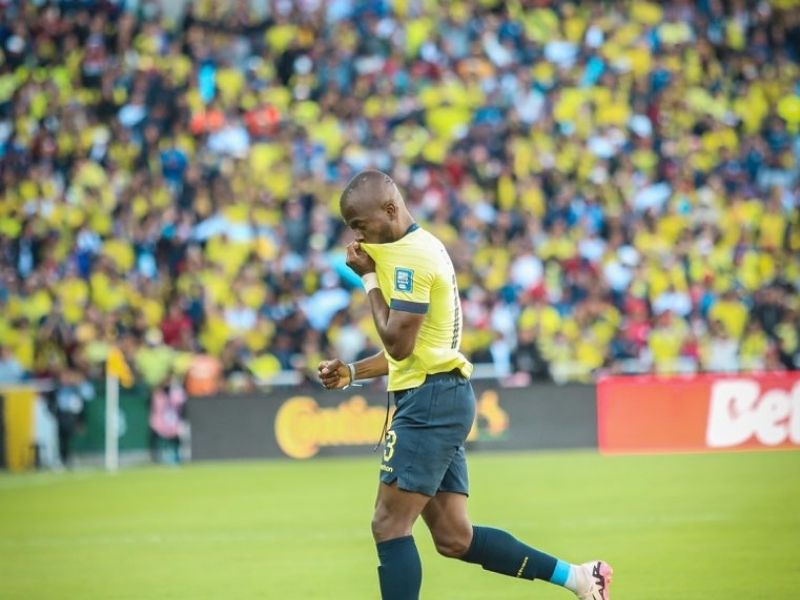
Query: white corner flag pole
[112, 422]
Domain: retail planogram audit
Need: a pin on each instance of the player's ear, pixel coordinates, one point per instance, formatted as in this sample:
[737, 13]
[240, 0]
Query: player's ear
[390, 208]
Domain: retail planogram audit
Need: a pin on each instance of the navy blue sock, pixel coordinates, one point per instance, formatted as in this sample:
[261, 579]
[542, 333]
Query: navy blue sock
[499, 551]
[400, 572]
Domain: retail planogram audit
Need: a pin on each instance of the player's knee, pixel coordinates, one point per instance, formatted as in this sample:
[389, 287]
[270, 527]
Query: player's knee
[454, 543]
[386, 526]
[378, 525]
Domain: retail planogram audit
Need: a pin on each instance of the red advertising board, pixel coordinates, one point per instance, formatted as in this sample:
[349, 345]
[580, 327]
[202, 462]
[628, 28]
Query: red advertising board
[698, 413]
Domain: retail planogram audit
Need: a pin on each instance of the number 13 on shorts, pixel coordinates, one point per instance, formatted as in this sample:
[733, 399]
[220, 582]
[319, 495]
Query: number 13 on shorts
[388, 449]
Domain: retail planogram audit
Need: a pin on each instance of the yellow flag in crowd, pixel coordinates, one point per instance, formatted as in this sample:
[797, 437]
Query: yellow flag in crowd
[116, 365]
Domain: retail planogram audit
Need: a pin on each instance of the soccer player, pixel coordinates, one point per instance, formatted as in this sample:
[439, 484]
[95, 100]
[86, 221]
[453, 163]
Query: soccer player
[411, 288]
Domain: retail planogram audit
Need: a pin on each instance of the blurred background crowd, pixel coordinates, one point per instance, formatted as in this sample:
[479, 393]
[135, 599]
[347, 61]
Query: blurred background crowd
[618, 182]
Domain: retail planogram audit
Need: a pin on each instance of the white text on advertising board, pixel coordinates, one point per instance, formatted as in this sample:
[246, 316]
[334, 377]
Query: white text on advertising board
[739, 411]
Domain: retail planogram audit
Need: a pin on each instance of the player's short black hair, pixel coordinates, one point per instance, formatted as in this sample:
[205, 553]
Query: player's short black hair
[371, 178]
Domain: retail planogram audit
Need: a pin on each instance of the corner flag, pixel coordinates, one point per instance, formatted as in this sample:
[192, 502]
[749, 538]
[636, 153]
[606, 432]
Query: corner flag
[116, 366]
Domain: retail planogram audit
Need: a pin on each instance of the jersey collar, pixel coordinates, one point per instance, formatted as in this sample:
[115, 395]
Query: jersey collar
[411, 228]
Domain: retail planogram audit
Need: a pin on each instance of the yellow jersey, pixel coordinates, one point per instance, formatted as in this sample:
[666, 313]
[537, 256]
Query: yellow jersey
[415, 274]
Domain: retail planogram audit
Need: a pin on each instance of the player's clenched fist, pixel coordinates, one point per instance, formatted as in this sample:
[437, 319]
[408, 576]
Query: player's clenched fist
[334, 374]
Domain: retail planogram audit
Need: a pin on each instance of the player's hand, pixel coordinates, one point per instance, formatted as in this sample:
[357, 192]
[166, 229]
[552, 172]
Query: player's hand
[333, 374]
[358, 260]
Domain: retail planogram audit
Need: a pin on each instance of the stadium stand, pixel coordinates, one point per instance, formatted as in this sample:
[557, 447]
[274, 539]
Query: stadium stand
[617, 182]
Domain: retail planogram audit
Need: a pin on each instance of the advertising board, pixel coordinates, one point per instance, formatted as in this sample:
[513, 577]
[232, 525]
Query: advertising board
[306, 422]
[701, 412]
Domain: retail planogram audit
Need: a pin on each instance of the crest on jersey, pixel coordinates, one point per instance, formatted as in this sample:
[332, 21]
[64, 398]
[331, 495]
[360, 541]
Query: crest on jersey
[403, 280]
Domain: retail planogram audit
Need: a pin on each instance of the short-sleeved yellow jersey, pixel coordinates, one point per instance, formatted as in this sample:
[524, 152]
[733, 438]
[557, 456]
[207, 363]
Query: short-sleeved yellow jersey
[415, 274]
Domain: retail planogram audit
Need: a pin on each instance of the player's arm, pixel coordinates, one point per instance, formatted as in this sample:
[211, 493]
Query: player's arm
[335, 374]
[397, 329]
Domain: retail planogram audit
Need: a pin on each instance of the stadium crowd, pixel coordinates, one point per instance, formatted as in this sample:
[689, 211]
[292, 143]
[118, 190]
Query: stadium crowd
[618, 182]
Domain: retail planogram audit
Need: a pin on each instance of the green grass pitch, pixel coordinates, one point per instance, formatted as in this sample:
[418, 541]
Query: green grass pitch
[674, 527]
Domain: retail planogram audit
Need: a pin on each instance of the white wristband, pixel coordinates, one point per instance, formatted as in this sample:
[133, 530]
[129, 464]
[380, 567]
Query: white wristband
[352, 368]
[370, 281]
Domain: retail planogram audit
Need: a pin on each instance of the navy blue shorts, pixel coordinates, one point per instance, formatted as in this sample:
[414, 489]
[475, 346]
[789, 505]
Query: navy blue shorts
[424, 446]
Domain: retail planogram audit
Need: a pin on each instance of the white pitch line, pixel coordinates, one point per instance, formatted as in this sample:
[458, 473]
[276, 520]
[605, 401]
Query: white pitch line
[339, 534]
[176, 538]
[20, 482]
[582, 522]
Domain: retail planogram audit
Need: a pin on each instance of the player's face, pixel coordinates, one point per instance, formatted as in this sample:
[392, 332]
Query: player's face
[370, 226]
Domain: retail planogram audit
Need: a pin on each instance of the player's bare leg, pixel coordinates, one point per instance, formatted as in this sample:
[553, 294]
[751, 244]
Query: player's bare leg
[455, 537]
[450, 526]
[400, 571]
